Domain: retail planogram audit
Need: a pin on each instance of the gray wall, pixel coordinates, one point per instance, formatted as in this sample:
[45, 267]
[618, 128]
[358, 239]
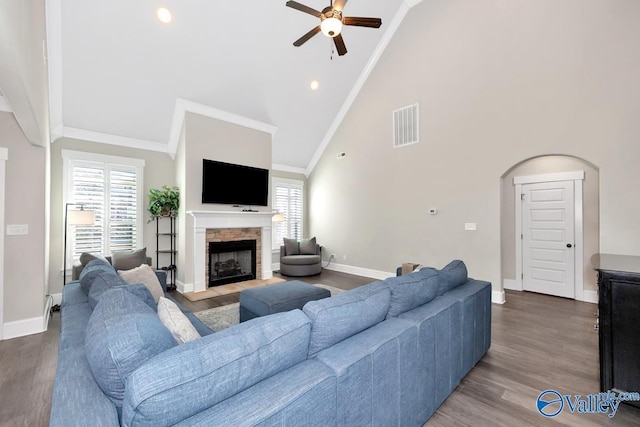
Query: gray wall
[24, 256]
[213, 139]
[158, 171]
[498, 83]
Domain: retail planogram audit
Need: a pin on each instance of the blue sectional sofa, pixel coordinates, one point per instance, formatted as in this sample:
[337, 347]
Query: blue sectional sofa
[387, 353]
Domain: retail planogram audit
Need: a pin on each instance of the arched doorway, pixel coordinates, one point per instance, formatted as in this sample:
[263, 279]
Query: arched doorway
[544, 168]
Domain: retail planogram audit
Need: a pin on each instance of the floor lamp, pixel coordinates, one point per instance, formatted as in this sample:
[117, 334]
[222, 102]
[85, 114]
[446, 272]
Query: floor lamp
[74, 217]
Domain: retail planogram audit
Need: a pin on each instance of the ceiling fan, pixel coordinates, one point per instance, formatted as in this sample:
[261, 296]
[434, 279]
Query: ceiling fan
[331, 22]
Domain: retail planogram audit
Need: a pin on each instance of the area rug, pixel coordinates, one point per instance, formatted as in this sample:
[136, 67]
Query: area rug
[220, 318]
[232, 288]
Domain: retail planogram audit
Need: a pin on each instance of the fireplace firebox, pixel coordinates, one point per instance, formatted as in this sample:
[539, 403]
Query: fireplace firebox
[231, 262]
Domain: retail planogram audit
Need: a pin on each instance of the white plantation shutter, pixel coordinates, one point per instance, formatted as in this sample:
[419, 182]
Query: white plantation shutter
[112, 187]
[288, 199]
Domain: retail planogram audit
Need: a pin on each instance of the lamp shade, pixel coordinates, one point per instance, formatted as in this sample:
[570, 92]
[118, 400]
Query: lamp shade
[277, 218]
[81, 217]
[331, 27]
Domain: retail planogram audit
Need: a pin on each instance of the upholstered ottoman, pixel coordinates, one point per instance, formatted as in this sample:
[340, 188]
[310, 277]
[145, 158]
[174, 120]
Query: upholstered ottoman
[270, 299]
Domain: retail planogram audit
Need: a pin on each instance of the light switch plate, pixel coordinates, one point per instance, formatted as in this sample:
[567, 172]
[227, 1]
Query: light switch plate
[470, 226]
[17, 229]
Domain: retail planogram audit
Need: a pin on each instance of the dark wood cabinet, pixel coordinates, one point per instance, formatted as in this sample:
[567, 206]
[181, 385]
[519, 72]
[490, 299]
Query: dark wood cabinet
[619, 320]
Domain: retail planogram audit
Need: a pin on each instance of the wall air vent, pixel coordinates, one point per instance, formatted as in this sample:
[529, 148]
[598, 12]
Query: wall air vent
[405, 126]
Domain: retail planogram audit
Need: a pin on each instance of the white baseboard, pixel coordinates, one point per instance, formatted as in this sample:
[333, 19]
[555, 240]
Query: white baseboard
[497, 297]
[184, 287]
[358, 271]
[21, 328]
[590, 296]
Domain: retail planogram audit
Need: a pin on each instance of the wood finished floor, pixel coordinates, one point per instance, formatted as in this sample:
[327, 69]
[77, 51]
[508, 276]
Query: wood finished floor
[538, 342]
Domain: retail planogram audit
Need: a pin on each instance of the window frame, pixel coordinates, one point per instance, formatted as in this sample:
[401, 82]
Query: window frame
[289, 183]
[109, 162]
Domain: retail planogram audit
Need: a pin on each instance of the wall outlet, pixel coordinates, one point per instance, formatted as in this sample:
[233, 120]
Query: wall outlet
[333, 256]
[17, 229]
[470, 226]
[344, 257]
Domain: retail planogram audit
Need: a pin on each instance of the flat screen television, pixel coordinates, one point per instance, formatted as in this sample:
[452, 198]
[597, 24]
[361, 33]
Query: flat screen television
[231, 184]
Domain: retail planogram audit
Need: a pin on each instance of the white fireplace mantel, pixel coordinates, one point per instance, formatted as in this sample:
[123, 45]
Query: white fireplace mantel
[202, 220]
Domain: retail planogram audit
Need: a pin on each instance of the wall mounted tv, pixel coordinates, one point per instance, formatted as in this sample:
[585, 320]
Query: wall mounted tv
[232, 184]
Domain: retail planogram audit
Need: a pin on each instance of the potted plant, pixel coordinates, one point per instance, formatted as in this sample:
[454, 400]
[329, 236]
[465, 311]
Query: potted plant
[164, 202]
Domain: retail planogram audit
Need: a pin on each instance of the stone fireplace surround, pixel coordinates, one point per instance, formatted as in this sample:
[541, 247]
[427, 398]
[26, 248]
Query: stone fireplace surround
[221, 225]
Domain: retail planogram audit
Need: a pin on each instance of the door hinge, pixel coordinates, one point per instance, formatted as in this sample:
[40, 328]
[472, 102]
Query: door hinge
[522, 196]
[522, 275]
[521, 236]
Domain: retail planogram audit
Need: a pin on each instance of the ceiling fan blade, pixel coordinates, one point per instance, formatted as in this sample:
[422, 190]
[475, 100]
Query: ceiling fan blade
[306, 37]
[339, 4]
[342, 49]
[362, 22]
[303, 8]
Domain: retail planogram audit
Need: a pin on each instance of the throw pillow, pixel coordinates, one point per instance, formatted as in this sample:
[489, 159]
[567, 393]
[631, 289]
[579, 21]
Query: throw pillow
[291, 247]
[126, 260]
[452, 275]
[175, 320]
[411, 291]
[106, 281]
[144, 274]
[122, 334]
[85, 257]
[339, 317]
[308, 246]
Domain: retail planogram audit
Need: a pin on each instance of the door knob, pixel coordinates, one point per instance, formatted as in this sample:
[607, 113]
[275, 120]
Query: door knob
[569, 245]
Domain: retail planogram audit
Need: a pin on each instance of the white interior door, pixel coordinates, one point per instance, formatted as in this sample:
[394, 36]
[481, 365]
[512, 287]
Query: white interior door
[548, 238]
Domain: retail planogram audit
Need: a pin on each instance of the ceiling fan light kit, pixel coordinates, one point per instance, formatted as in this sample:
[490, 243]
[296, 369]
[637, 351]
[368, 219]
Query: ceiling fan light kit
[331, 27]
[331, 22]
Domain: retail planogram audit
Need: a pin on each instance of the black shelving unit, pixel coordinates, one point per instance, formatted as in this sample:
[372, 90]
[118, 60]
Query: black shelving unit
[167, 253]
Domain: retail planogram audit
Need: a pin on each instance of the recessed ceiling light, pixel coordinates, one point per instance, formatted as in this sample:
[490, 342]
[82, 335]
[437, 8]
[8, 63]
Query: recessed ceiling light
[314, 85]
[164, 15]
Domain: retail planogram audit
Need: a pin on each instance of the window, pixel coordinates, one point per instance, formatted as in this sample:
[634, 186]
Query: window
[288, 198]
[111, 186]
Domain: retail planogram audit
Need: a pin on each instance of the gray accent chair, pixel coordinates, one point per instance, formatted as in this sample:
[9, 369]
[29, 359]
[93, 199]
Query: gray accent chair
[299, 265]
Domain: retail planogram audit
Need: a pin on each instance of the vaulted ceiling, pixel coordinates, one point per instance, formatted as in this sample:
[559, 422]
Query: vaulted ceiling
[119, 75]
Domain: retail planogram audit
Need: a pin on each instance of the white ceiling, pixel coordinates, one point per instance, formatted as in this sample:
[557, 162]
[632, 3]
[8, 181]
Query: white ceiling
[119, 71]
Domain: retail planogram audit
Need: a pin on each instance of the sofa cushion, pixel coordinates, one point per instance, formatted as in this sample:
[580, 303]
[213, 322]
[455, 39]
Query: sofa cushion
[300, 259]
[122, 334]
[126, 260]
[144, 274]
[176, 321]
[412, 290]
[341, 316]
[452, 275]
[199, 374]
[91, 270]
[291, 247]
[106, 281]
[308, 246]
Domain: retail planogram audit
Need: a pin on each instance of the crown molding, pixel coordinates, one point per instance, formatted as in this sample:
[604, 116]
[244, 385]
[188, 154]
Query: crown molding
[286, 168]
[4, 105]
[373, 60]
[54, 66]
[105, 138]
[183, 106]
